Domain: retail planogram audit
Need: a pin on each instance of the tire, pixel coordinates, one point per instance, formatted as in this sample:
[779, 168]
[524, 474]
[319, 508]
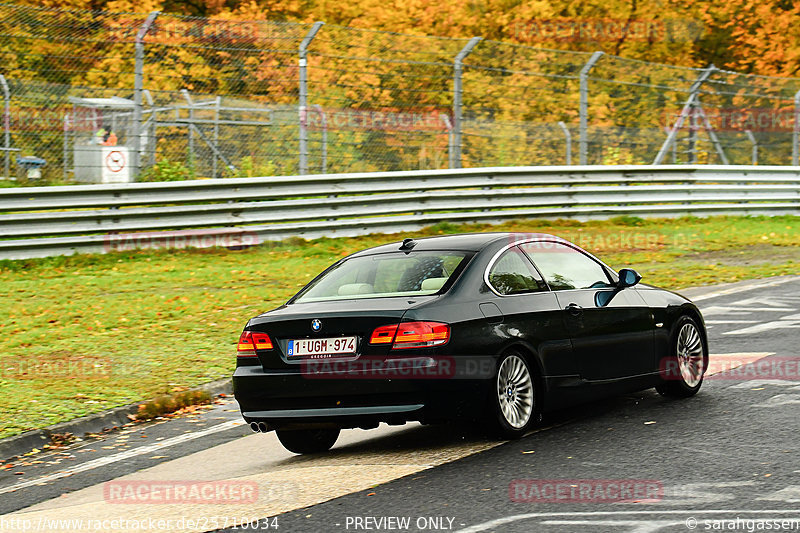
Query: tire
[514, 407]
[682, 375]
[304, 441]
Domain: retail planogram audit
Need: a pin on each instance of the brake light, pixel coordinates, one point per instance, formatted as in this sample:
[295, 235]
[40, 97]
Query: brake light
[412, 335]
[250, 341]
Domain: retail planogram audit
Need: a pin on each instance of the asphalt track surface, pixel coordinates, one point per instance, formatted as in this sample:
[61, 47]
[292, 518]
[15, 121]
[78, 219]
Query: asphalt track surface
[725, 460]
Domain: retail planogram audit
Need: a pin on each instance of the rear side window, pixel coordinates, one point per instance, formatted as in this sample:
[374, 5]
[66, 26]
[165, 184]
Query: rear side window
[385, 275]
[513, 273]
[566, 268]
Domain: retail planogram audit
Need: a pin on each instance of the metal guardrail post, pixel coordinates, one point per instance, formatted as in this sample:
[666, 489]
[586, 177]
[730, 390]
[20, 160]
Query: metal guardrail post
[568, 140]
[303, 104]
[138, 83]
[583, 110]
[458, 67]
[6, 126]
[796, 132]
[687, 108]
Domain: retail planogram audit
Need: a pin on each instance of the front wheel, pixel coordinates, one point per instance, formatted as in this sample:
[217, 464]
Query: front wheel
[303, 441]
[513, 397]
[682, 374]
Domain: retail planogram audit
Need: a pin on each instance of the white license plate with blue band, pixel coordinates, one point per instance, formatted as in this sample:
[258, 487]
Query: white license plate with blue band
[317, 347]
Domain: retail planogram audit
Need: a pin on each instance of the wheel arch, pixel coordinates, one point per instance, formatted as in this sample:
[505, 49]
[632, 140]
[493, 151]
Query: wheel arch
[531, 356]
[692, 312]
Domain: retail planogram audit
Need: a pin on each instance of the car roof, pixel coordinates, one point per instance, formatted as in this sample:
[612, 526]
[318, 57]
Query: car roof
[467, 242]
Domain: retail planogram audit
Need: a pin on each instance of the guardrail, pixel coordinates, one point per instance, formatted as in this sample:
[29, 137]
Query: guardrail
[45, 221]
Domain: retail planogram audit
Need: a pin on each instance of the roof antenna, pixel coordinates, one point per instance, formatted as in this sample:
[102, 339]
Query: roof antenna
[408, 244]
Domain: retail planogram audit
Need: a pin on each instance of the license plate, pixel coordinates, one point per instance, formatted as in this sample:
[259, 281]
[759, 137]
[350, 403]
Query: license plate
[321, 347]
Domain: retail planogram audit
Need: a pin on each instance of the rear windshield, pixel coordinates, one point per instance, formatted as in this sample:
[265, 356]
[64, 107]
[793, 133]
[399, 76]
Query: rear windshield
[384, 275]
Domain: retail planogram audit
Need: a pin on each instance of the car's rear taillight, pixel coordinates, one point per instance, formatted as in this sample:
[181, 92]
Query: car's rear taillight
[250, 341]
[383, 334]
[411, 335]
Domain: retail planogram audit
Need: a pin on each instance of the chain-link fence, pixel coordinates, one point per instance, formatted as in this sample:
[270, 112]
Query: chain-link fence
[96, 96]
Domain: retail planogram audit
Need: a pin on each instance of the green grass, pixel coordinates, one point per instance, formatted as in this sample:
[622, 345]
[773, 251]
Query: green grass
[83, 334]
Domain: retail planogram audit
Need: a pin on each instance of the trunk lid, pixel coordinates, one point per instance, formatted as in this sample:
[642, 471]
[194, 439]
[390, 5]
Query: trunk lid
[336, 319]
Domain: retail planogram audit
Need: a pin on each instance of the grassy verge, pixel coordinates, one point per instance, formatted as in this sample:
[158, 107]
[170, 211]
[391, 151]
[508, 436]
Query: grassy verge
[86, 333]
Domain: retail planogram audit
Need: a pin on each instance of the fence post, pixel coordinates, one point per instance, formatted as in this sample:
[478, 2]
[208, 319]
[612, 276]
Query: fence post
[324, 124]
[688, 107]
[693, 126]
[138, 83]
[796, 133]
[449, 126]
[710, 130]
[6, 126]
[303, 105]
[190, 129]
[754, 142]
[217, 104]
[568, 139]
[583, 110]
[65, 147]
[152, 129]
[458, 64]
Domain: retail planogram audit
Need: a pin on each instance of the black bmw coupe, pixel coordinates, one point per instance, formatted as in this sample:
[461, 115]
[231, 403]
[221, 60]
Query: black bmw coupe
[500, 327]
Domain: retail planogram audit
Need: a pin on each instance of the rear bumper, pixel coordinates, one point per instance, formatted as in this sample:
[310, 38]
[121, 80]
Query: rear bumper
[289, 398]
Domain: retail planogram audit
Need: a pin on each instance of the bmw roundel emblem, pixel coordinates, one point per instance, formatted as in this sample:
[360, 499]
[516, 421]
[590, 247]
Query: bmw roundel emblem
[316, 324]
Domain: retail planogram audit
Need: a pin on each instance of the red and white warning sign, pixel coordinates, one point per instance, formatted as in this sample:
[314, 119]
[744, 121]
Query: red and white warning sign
[115, 164]
[115, 161]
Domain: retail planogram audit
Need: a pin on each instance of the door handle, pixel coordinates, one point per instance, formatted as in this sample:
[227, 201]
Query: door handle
[574, 309]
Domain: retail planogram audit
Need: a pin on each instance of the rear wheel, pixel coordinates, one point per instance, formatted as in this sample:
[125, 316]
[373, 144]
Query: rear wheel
[513, 397]
[304, 441]
[683, 372]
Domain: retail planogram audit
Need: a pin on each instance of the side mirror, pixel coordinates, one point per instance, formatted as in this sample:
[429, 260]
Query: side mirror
[628, 278]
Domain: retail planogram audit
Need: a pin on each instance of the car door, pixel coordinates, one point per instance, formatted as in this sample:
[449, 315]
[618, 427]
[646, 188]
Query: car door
[611, 328]
[529, 312]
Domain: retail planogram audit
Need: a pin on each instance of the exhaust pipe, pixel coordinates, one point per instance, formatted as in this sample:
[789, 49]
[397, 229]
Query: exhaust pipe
[254, 427]
[262, 427]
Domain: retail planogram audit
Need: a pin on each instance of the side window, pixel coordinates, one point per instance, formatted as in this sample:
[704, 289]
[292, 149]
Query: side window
[566, 268]
[512, 273]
